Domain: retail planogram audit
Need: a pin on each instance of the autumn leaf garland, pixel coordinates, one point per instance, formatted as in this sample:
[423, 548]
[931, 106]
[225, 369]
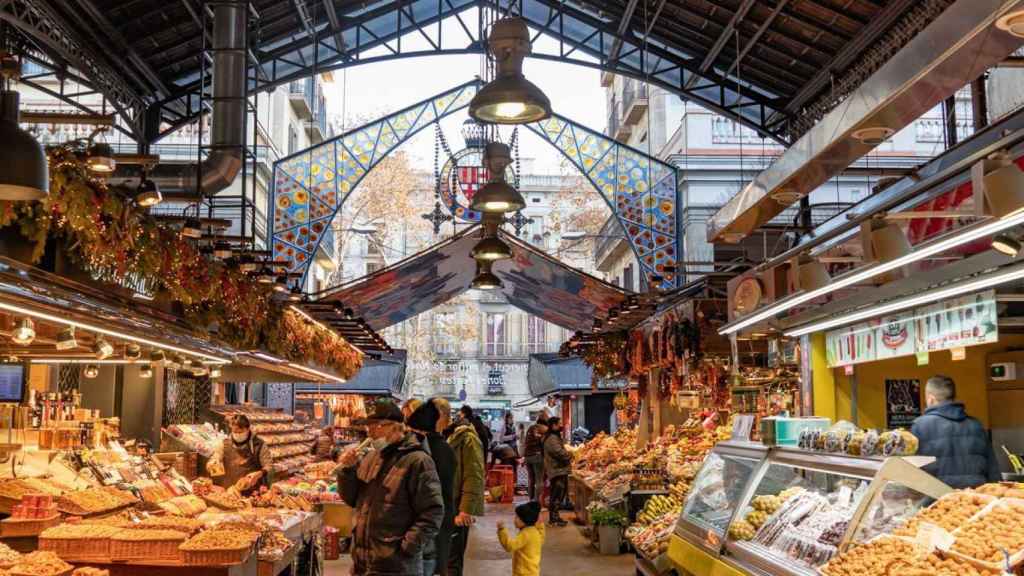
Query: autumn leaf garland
[108, 235]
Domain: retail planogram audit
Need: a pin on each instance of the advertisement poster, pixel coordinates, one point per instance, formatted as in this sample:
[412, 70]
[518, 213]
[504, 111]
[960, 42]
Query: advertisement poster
[851, 345]
[902, 403]
[896, 336]
[964, 321]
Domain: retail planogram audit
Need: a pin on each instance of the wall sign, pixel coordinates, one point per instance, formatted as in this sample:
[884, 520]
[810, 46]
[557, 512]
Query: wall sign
[955, 323]
[902, 402]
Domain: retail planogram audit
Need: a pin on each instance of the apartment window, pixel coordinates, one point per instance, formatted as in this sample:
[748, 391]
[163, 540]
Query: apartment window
[627, 277]
[536, 334]
[443, 343]
[616, 281]
[535, 199]
[293, 140]
[494, 335]
[372, 267]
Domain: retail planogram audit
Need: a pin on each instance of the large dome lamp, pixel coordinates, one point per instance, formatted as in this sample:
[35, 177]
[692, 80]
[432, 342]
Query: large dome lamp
[24, 174]
[510, 98]
[497, 196]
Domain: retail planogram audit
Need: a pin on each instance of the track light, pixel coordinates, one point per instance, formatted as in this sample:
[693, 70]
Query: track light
[632, 303]
[91, 371]
[192, 228]
[1006, 244]
[222, 250]
[266, 276]
[215, 372]
[148, 194]
[24, 332]
[157, 356]
[133, 352]
[172, 363]
[485, 279]
[200, 371]
[66, 339]
[497, 196]
[491, 249]
[101, 158]
[281, 284]
[102, 349]
[510, 98]
[295, 294]
[1004, 188]
[146, 371]
[246, 263]
[613, 313]
[183, 360]
[24, 174]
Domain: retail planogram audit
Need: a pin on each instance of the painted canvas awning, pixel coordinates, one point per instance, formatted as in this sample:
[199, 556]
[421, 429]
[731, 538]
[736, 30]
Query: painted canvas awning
[554, 373]
[532, 281]
[379, 376]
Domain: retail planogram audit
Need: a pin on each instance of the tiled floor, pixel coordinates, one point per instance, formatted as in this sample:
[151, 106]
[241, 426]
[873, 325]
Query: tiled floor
[566, 552]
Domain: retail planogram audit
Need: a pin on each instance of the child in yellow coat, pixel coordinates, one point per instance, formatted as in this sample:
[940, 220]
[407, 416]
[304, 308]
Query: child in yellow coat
[526, 546]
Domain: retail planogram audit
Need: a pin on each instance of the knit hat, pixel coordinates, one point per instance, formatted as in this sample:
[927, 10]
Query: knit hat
[529, 512]
[424, 418]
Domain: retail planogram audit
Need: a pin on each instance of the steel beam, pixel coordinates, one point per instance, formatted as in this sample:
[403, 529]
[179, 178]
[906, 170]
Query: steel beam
[723, 38]
[955, 48]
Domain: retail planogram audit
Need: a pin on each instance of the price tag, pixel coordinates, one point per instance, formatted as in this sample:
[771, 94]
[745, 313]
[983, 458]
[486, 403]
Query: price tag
[845, 496]
[922, 358]
[929, 537]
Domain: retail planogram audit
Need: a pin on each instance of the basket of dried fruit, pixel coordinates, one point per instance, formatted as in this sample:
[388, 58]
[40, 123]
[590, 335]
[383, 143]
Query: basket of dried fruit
[225, 500]
[218, 547]
[8, 556]
[41, 563]
[146, 544]
[994, 539]
[187, 525]
[78, 542]
[952, 510]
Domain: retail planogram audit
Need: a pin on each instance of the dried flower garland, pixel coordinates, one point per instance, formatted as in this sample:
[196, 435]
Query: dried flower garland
[108, 235]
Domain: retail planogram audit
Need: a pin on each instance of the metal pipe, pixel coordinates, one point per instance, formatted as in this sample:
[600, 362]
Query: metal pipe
[227, 138]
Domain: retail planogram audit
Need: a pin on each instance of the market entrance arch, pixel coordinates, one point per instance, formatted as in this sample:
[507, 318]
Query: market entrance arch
[311, 185]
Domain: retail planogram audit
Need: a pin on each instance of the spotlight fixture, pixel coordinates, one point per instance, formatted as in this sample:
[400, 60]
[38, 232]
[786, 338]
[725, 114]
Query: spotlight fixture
[510, 98]
[485, 279]
[172, 363]
[295, 294]
[349, 313]
[497, 196]
[200, 371]
[192, 228]
[632, 303]
[1006, 244]
[157, 356]
[24, 332]
[246, 263]
[91, 371]
[266, 276]
[132, 352]
[183, 360]
[102, 349]
[66, 339]
[281, 284]
[101, 158]
[222, 250]
[613, 313]
[24, 174]
[874, 135]
[1003, 187]
[491, 248]
[215, 372]
[146, 371]
[148, 194]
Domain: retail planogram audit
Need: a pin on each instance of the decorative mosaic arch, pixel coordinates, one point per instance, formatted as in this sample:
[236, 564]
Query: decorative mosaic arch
[310, 186]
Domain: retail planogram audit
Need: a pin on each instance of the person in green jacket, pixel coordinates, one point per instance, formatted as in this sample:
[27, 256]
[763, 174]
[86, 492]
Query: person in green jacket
[468, 488]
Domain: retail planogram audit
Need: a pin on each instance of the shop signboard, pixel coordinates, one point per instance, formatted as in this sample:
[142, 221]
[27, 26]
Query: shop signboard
[902, 402]
[955, 323]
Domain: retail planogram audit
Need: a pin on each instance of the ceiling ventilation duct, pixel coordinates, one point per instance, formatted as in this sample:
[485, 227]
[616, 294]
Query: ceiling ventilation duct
[227, 130]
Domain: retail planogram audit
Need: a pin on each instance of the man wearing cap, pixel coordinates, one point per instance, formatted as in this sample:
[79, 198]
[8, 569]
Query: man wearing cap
[393, 487]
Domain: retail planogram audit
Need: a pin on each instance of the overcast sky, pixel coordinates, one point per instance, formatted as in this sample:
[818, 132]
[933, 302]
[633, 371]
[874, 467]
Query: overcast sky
[375, 89]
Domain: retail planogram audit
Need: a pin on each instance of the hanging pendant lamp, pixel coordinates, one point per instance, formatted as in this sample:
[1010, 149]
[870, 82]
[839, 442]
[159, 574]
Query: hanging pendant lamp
[490, 249]
[510, 98]
[24, 174]
[485, 279]
[497, 196]
[101, 158]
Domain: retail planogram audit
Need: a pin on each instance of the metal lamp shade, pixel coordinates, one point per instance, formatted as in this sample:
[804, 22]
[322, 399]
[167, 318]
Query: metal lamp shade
[888, 242]
[485, 279]
[101, 158]
[1004, 190]
[510, 100]
[148, 194]
[24, 174]
[491, 248]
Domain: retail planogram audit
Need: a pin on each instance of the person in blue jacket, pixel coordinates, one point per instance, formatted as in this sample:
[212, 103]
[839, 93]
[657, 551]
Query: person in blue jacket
[960, 444]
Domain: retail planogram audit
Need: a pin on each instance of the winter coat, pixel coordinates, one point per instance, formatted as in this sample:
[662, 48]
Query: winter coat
[397, 513]
[444, 461]
[557, 460]
[525, 548]
[483, 432]
[468, 490]
[961, 447]
[534, 444]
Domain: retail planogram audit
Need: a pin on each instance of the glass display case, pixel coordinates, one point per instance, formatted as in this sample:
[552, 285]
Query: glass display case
[791, 511]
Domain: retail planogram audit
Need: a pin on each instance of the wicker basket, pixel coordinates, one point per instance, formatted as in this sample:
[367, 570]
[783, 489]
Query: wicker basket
[19, 527]
[216, 557]
[78, 549]
[144, 549]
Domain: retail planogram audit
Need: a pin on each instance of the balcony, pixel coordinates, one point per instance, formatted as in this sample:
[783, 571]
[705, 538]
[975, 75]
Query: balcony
[302, 95]
[634, 102]
[325, 251]
[515, 350]
[617, 129]
[611, 245]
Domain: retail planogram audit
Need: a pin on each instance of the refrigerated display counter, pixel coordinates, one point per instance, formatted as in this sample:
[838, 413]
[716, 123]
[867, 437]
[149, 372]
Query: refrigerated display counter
[774, 510]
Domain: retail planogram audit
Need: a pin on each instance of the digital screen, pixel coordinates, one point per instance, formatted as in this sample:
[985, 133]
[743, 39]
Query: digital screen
[12, 382]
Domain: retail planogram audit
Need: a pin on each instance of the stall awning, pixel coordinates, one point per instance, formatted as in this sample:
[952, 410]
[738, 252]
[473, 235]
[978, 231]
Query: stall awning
[533, 282]
[384, 376]
[553, 373]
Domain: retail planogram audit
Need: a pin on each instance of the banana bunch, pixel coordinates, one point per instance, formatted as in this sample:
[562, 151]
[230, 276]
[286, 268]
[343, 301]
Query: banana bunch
[679, 490]
[658, 506]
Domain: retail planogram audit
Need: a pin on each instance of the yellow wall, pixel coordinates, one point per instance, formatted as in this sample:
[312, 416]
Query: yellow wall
[969, 374]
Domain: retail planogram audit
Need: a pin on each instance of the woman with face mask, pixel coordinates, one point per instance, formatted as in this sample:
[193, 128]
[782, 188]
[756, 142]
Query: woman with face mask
[250, 465]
